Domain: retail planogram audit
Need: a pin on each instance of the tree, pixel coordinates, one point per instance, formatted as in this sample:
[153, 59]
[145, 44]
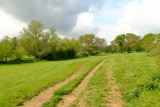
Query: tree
[113, 46]
[119, 40]
[100, 43]
[87, 41]
[6, 49]
[91, 43]
[156, 49]
[147, 41]
[53, 41]
[132, 42]
[32, 38]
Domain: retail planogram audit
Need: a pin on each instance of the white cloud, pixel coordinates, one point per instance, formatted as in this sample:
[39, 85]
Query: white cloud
[139, 17]
[85, 24]
[9, 25]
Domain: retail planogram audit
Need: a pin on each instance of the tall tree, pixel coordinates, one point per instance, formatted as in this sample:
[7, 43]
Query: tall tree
[147, 41]
[32, 38]
[119, 40]
[88, 42]
[100, 43]
[131, 42]
[6, 49]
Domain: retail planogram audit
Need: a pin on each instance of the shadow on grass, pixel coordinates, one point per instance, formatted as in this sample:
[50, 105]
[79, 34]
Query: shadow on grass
[33, 60]
[28, 60]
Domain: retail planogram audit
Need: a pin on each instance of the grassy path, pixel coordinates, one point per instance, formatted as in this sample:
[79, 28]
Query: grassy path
[101, 91]
[47, 94]
[68, 99]
[95, 92]
[114, 95]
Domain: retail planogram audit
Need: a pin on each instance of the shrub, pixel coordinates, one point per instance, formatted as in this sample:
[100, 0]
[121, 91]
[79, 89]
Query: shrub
[156, 52]
[59, 54]
[152, 83]
[84, 54]
[95, 52]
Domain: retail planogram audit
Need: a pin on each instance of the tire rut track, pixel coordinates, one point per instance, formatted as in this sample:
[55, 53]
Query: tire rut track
[68, 99]
[46, 95]
[114, 96]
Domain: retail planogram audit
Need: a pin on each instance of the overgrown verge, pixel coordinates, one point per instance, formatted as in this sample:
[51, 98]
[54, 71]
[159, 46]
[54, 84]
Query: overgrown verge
[66, 89]
[138, 78]
[152, 83]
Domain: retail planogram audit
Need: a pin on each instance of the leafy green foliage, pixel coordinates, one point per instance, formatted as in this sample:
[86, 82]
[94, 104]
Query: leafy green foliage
[8, 50]
[125, 42]
[46, 44]
[84, 54]
[95, 53]
[91, 43]
[132, 42]
[32, 38]
[119, 40]
[152, 83]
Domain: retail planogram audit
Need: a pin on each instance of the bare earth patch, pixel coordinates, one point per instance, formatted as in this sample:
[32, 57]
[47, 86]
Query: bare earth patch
[114, 96]
[68, 99]
[44, 96]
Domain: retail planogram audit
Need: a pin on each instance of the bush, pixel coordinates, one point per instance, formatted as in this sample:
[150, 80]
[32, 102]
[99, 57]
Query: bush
[84, 54]
[95, 53]
[152, 83]
[156, 52]
[60, 54]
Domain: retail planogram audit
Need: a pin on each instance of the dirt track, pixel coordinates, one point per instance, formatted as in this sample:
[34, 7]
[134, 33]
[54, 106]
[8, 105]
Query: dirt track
[68, 99]
[44, 96]
[114, 93]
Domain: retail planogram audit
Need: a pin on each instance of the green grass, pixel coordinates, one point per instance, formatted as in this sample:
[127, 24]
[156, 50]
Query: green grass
[68, 88]
[96, 90]
[21, 82]
[138, 78]
[136, 74]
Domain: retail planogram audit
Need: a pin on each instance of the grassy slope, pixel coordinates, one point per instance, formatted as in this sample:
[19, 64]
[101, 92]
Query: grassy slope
[130, 71]
[133, 73]
[20, 82]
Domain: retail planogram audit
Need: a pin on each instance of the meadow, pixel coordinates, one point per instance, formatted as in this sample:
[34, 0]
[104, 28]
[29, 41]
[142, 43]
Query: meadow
[135, 74]
[21, 82]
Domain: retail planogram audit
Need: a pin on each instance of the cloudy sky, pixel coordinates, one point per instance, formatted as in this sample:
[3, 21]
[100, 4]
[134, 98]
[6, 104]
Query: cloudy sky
[104, 18]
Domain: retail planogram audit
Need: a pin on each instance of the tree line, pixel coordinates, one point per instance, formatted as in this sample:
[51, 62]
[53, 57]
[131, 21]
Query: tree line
[132, 43]
[36, 41]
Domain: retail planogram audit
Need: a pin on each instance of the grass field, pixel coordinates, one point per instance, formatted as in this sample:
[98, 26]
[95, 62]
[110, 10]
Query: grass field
[136, 75]
[20, 82]
[138, 78]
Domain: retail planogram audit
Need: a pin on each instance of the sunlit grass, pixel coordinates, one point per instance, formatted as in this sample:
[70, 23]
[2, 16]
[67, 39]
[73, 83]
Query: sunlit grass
[20, 82]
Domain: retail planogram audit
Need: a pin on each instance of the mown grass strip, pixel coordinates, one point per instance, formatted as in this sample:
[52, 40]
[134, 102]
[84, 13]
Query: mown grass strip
[66, 89]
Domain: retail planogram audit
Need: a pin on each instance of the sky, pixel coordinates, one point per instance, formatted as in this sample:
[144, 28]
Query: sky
[72, 18]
